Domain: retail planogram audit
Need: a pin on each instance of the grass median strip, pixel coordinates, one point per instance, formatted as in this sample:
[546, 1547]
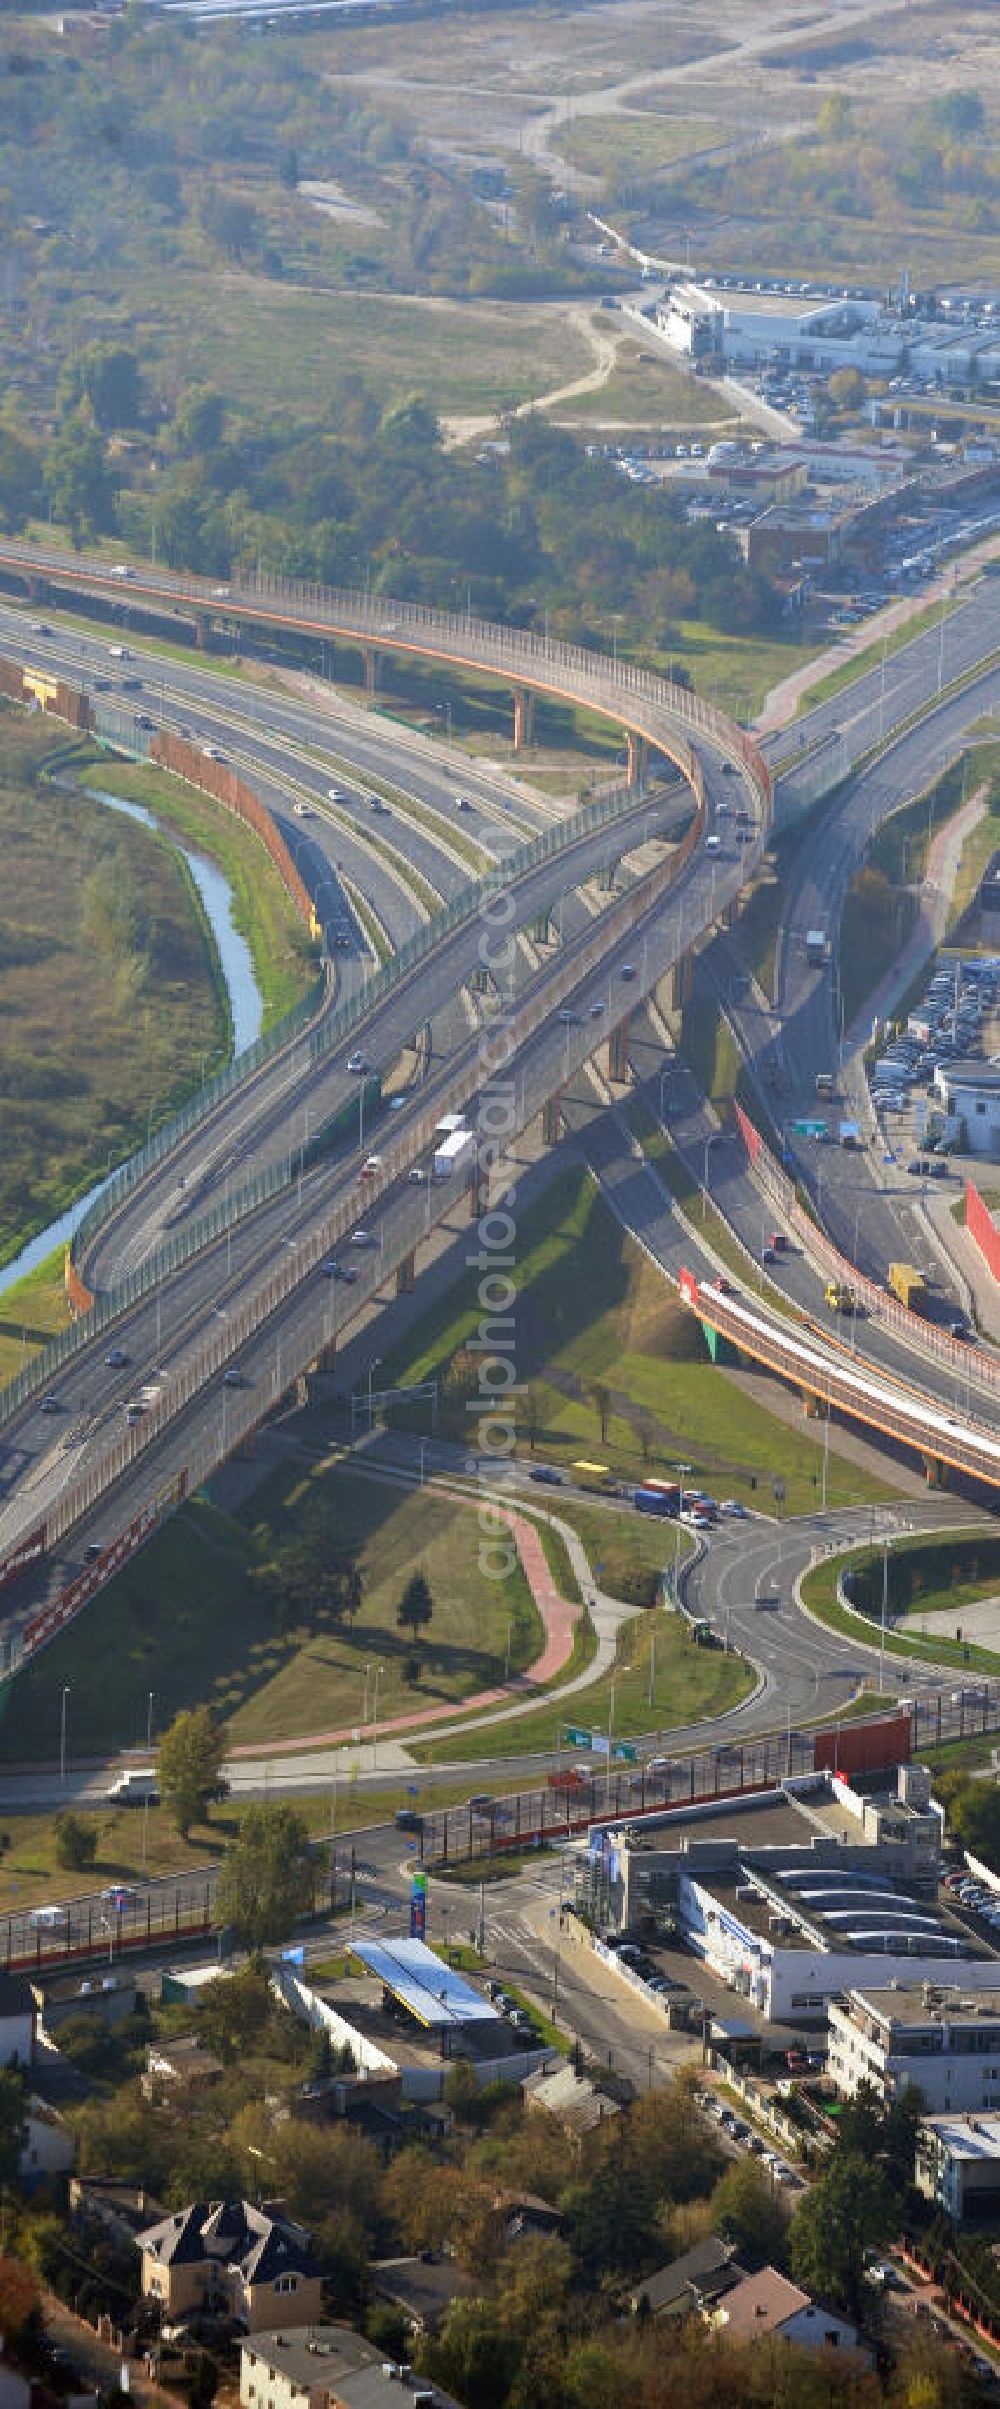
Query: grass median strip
[819, 1594]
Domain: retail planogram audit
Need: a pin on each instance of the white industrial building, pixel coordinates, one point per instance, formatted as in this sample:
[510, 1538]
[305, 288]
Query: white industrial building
[796, 1897]
[753, 329]
[970, 1094]
[941, 2035]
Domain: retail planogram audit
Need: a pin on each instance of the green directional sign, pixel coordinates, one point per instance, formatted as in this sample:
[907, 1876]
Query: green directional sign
[574, 1737]
[625, 1750]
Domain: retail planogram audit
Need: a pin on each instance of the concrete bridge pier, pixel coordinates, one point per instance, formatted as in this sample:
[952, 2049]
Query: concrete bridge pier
[370, 659]
[679, 982]
[326, 1360]
[938, 1474]
[552, 1119]
[524, 718]
[200, 630]
[406, 1274]
[638, 757]
[618, 1045]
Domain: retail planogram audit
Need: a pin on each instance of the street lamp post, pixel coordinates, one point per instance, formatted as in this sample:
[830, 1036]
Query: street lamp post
[681, 1470]
[372, 1369]
[379, 1670]
[885, 1603]
[62, 1732]
[708, 1144]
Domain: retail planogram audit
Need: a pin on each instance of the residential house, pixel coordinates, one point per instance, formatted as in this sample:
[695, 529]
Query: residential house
[181, 2065]
[694, 2282]
[769, 2303]
[327, 2367]
[120, 2210]
[423, 2288]
[572, 2098]
[47, 2144]
[233, 2260]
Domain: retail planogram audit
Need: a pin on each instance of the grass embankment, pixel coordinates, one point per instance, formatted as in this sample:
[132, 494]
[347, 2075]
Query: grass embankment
[688, 1684]
[262, 909]
[709, 1048]
[112, 1001]
[938, 1574]
[31, 1312]
[187, 1621]
[612, 1368]
[871, 656]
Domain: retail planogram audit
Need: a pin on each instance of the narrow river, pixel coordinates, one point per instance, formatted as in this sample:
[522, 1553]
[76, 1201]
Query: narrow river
[245, 1006]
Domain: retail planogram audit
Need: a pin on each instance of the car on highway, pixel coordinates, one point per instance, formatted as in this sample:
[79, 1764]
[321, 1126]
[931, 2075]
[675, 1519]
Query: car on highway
[233, 1378]
[116, 1359]
[362, 1238]
[50, 1403]
[596, 1010]
[40, 627]
[371, 1167]
[303, 811]
[336, 794]
[417, 1177]
[122, 569]
[569, 1020]
[628, 971]
[547, 1475]
[357, 1065]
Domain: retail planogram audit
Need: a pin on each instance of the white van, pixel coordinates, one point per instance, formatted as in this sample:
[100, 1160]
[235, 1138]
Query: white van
[136, 1788]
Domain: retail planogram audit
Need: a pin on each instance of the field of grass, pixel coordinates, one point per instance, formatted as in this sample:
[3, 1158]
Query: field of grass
[645, 389]
[262, 909]
[31, 1311]
[186, 1621]
[242, 332]
[709, 1048]
[611, 1367]
[736, 672]
[30, 1871]
[688, 1684]
[132, 964]
[874, 929]
[819, 1592]
[628, 144]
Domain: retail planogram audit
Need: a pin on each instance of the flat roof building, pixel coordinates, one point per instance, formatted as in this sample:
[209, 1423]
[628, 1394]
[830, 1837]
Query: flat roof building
[942, 2036]
[958, 2166]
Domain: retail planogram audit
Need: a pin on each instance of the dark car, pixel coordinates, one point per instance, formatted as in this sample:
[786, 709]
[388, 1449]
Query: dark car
[547, 1474]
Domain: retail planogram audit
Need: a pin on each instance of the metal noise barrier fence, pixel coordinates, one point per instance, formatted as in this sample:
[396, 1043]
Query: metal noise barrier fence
[243, 1409]
[975, 1368]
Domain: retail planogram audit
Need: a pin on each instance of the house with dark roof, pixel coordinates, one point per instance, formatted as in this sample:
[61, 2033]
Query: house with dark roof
[232, 2260]
[689, 2283]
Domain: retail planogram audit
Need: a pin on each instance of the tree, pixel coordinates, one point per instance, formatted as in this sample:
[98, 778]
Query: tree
[76, 1841]
[841, 2216]
[78, 481]
[20, 2304]
[190, 1766]
[236, 2012]
[416, 1605]
[12, 2096]
[267, 1878]
[230, 222]
[107, 375]
[746, 2210]
[199, 419]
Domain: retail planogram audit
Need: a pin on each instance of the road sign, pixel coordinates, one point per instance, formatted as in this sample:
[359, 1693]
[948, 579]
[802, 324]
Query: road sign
[575, 1737]
[625, 1750]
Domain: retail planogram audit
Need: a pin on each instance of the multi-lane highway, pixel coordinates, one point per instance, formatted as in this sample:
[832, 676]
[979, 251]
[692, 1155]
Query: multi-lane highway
[195, 1338]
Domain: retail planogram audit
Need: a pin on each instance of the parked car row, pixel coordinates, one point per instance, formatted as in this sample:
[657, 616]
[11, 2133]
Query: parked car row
[736, 2129]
